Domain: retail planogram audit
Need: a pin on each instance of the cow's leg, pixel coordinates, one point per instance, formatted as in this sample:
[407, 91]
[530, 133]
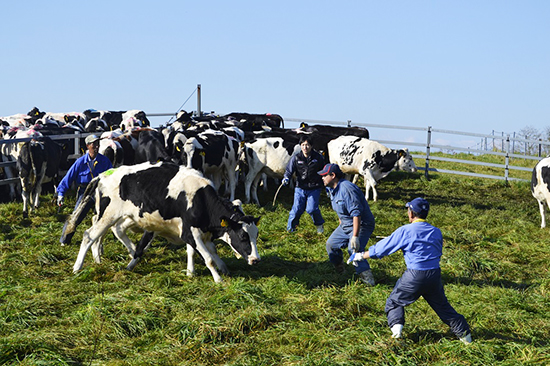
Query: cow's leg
[370, 183]
[119, 230]
[232, 183]
[247, 186]
[90, 237]
[38, 189]
[25, 197]
[190, 261]
[219, 263]
[254, 189]
[203, 250]
[542, 209]
[143, 245]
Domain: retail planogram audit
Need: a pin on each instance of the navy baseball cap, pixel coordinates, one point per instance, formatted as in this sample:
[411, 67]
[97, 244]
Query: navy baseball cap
[329, 169]
[419, 205]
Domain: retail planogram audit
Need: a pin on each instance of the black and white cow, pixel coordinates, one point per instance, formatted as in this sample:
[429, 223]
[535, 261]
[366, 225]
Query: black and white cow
[215, 155]
[172, 201]
[371, 159]
[270, 156]
[540, 187]
[150, 146]
[37, 161]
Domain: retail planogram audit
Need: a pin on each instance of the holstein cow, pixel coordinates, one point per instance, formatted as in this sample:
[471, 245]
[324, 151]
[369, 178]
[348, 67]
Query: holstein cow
[172, 201]
[265, 155]
[214, 154]
[540, 187]
[371, 159]
[38, 161]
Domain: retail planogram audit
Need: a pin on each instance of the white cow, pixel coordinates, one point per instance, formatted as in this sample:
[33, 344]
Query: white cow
[269, 155]
[374, 161]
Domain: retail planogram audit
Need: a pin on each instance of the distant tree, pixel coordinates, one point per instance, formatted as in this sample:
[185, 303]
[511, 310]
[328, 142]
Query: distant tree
[530, 133]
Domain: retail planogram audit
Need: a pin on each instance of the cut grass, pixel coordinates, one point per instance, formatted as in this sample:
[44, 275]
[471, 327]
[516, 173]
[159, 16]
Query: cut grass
[292, 308]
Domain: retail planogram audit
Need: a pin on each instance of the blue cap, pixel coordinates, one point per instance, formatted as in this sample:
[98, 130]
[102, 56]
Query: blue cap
[419, 205]
[329, 169]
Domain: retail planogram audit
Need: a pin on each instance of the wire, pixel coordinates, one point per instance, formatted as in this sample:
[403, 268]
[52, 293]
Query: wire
[182, 106]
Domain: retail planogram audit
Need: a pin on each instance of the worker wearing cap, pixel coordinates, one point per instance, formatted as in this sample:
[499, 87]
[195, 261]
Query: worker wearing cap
[422, 245]
[356, 221]
[84, 169]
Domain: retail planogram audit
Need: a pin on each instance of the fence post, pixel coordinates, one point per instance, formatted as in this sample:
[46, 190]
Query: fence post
[349, 122]
[428, 143]
[507, 163]
[77, 143]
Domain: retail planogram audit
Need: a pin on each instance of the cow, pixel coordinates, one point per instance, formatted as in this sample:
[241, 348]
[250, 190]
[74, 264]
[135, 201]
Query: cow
[150, 146]
[172, 201]
[265, 155]
[374, 161]
[252, 121]
[540, 187]
[215, 155]
[37, 161]
[322, 134]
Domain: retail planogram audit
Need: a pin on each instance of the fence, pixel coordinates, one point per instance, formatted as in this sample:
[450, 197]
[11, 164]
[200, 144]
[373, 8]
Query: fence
[506, 144]
[506, 152]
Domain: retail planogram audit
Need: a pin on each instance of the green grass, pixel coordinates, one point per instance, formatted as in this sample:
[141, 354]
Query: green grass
[292, 308]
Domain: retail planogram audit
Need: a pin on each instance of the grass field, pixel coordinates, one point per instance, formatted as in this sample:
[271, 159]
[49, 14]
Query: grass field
[292, 308]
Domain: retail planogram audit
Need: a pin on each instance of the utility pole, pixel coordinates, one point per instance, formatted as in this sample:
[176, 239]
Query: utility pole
[199, 113]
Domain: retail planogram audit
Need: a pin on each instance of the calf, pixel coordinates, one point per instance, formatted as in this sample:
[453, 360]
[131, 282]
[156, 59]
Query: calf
[540, 187]
[371, 159]
[172, 201]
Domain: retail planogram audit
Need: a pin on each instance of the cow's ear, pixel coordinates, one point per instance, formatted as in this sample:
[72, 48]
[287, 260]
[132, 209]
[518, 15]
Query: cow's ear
[66, 118]
[257, 219]
[224, 223]
[401, 153]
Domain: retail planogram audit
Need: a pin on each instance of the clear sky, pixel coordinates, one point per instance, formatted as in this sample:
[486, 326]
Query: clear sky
[466, 65]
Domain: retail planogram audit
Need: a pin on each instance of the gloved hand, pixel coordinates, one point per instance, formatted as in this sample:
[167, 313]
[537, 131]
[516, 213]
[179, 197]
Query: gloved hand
[286, 181]
[356, 257]
[60, 200]
[354, 243]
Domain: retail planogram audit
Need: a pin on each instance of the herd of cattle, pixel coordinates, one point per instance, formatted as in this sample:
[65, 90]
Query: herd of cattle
[170, 180]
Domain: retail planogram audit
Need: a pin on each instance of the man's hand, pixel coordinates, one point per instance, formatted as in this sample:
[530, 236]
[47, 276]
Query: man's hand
[60, 201]
[354, 243]
[286, 181]
[356, 257]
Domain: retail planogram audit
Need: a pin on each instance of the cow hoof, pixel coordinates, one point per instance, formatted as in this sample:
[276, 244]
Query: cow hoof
[132, 264]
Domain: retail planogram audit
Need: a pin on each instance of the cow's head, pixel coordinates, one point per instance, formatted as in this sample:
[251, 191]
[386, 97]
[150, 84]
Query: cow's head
[242, 235]
[405, 161]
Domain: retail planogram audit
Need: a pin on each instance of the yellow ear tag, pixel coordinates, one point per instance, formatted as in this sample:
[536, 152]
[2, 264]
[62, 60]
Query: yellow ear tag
[224, 223]
[202, 153]
[178, 149]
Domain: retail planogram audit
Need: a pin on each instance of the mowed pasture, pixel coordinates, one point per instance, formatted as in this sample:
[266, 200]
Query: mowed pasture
[292, 308]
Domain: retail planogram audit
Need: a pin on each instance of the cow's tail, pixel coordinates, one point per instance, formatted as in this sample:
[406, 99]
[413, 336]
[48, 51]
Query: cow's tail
[80, 212]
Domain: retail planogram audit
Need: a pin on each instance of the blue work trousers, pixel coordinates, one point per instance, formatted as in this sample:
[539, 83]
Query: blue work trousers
[340, 239]
[412, 285]
[305, 200]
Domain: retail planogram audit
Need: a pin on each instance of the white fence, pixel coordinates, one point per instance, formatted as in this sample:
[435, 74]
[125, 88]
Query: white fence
[506, 142]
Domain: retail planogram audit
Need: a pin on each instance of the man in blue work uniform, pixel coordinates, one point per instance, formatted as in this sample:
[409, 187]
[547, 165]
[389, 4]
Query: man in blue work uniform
[356, 221]
[84, 169]
[422, 246]
[305, 164]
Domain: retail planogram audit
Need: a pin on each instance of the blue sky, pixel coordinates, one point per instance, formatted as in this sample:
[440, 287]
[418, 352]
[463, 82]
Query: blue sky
[473, 66]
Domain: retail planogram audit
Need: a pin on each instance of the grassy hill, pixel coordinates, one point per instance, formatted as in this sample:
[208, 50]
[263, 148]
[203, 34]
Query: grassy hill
[292, 308]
